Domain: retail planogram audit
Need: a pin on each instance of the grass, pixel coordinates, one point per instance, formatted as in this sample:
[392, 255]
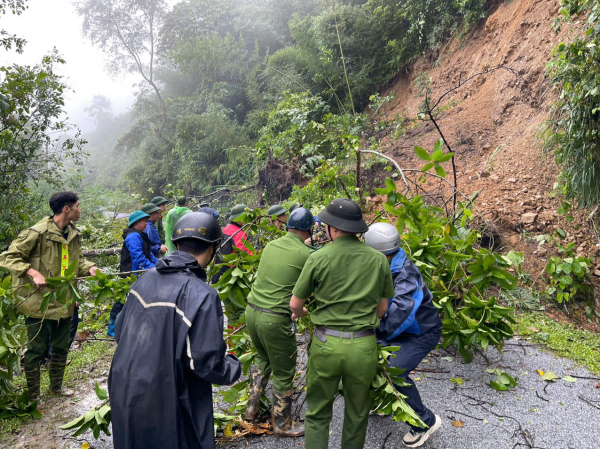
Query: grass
[579, 345]
[93, 358]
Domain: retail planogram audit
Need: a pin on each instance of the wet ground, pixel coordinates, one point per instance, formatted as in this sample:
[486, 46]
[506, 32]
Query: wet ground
[536, 414]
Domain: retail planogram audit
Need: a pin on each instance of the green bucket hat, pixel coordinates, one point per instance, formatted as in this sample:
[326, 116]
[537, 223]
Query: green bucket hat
[137, 216]
[237, 211]
[150, 208]
[158, 200]
[278, 210]
[294, 206]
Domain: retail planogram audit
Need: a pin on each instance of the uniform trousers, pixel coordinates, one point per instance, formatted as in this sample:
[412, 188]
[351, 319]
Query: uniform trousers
[354, 362]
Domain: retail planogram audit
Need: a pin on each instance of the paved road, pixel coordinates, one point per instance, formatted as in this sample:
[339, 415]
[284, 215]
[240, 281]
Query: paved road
[559, 420]
[527, 417]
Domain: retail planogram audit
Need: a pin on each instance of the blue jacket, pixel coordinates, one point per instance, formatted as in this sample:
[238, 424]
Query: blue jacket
[411, 310]
[154, 237]
[139, 261]
[209, 210]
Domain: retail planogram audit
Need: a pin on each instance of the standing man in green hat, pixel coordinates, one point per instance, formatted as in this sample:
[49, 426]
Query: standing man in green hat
[162, 204]
[153, 212]
[352, 284]
[46, 250]
[268, 318]
[278, 215]
[172, 218]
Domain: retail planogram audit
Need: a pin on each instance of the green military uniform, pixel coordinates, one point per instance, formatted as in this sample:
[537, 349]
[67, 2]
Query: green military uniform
[348, 279]
[48, 250]
[272, 333]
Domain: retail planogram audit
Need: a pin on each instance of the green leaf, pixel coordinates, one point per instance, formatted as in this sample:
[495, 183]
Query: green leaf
[101, 393]
[440, 170]
[550, 376]
[427, 167]
[446, 157]
[422, 154]
[569, 379]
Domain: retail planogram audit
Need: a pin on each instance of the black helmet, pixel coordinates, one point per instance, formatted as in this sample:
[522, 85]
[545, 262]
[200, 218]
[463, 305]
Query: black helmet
[345, 215]
[197, 225]
[301, 219]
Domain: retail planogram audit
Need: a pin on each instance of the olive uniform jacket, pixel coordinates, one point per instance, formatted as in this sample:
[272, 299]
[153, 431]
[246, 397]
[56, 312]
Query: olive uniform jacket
[41, 247]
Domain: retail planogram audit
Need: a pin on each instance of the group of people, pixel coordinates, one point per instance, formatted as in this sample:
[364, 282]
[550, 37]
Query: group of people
[170, 330]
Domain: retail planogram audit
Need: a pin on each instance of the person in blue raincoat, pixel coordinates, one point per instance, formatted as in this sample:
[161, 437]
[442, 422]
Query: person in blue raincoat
[136, 255]
[412, 322]
[205, 208]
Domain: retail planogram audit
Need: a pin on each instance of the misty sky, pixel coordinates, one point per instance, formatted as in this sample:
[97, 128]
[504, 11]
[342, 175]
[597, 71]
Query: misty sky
[54, 23]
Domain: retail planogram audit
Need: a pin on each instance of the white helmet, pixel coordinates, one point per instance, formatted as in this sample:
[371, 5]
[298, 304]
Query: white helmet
[383, 237]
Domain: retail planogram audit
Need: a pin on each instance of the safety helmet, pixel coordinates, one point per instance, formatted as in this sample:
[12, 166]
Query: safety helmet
[150, 208]
[136, 216]
[294, 206]
[345, 215]
[204, 204]
[181, 201]
[278, 210]
[383, 237]
[199, 226]
[237, 211]
[301, 219]
[158, 200]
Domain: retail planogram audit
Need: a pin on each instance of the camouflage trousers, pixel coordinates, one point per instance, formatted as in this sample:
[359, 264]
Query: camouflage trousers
[354, 362]
[275, 342]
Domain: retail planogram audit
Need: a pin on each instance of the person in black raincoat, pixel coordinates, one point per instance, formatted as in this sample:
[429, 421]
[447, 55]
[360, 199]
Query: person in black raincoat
[171, 348]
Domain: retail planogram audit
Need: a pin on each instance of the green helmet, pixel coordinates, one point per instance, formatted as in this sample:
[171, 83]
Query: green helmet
[150, 208]
[345, 215]
[294, 206]
[237, 211]
[158, 200]
[278, 210]
[181, 201]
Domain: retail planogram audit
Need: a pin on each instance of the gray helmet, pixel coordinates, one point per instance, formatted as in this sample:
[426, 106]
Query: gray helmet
[199, 226]
[301, 219]
[345, 215]
[383, 237]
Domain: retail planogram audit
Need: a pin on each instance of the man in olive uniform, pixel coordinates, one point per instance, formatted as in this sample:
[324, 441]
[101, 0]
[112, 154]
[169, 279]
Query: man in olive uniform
[45, 250]
[352, 284]
[268, 318]
[278, 215]
[160, 226]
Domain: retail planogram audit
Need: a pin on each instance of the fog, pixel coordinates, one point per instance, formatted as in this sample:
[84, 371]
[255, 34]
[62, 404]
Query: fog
[54, 23]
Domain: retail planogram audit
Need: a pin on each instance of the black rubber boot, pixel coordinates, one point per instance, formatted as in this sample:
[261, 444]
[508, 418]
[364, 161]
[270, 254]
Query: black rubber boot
[32, 375]
[283, 424]
[58, 364]
[258, 383]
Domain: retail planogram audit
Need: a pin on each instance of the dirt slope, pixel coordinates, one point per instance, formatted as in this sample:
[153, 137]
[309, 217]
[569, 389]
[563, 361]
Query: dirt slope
[499, 111]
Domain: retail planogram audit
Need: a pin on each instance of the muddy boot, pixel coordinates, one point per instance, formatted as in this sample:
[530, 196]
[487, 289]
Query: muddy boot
[283, 425]
[258, 383]
[32, 375]
[57, 372]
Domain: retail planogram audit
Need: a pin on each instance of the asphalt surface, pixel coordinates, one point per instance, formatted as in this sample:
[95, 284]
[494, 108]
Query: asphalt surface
[535, 414]
[527, 416]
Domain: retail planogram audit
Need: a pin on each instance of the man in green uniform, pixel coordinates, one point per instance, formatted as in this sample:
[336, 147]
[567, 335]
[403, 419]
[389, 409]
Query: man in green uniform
[172, 218]
[278, 215]
[160, 226]
[268, 318]
[352, 284]
[47, 249]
